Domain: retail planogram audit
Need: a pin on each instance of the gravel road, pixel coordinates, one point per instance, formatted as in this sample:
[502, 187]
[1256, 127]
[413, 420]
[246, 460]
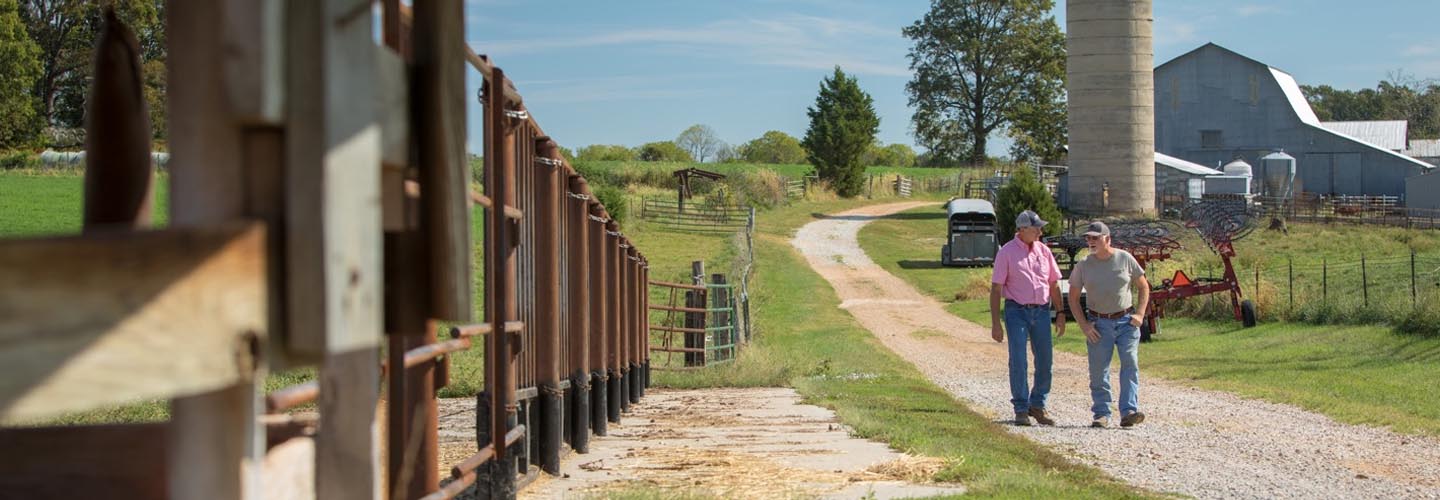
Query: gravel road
[1195, 442]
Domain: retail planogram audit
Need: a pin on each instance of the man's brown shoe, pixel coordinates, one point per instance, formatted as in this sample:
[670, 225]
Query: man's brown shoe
[1039, 415]
[1132, 419]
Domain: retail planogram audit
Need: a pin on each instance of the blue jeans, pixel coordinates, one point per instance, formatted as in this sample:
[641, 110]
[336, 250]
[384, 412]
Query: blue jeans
[1115, 334]
[1029, 325]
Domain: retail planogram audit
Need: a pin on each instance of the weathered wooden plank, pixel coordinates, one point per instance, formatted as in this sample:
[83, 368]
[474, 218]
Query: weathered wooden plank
[333, 179]
[334, 238]
[104, 461]
[393, 104]
[439, 101]
[108, 318]
[216, 444]
[254, 59]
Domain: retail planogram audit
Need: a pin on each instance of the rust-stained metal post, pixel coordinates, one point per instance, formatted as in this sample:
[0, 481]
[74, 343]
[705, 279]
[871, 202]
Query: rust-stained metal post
[119, 178]
[547, 225]
[578, 267]
[636, 317]
[613, 256]
[500, 344]
[627, 313]
[645, 323]
[599, 318]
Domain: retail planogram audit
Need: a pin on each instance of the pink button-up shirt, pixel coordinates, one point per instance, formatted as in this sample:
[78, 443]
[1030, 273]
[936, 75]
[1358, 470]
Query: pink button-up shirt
[1025, 274]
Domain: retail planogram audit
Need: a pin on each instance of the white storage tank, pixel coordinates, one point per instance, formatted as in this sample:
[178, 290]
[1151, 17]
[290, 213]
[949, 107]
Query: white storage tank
[1237, 168]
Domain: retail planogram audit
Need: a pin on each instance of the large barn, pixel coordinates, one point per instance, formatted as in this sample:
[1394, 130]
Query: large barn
[1213, 105]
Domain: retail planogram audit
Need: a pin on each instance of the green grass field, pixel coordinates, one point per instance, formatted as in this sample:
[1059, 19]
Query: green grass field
[1355, 373]
[39, 205]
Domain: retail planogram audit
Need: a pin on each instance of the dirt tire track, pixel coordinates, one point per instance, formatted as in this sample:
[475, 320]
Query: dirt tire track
[1201, 443]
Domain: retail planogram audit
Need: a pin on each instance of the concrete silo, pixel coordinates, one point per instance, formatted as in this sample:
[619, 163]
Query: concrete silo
[1111, 106]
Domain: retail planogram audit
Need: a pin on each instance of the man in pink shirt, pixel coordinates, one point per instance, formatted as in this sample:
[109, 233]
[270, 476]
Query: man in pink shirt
[1028, 279]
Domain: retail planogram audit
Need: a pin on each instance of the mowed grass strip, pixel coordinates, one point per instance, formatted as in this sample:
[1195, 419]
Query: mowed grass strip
[1363, 374]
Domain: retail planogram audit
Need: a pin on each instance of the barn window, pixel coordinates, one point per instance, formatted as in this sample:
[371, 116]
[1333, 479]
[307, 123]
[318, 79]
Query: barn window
[1210, 139]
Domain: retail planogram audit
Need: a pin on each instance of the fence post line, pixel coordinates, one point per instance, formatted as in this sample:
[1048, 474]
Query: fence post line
[1257, 284]
[547, 307]
[599, 323]
[1414, 301]
[1364, 280]
[1325, 281]
[1290, 272]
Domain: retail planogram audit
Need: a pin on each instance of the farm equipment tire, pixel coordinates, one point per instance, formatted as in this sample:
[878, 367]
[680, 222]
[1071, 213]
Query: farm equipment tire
[945, 255]
[1247, 313]
[1149, 328]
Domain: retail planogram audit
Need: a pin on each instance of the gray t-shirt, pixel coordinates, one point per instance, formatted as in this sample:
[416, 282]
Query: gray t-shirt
[1106, 281]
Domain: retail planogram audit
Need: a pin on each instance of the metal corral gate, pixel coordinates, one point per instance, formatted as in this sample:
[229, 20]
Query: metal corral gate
[320, 203]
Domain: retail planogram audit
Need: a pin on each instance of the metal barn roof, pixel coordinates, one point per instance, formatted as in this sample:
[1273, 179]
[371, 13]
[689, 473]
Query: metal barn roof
[1388, 134]
[1183, 166]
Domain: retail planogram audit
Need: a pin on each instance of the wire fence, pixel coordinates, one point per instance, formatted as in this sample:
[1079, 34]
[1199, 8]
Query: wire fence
[1368, 289]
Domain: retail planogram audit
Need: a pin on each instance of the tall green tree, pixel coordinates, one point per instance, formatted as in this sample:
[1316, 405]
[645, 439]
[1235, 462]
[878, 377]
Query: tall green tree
[19, 67]
[976, 62]
[605, 152]
[1024, 192]
[894, 155]
[843, 123]
[773, 147]
[1400, 96]
[65, 31]
[662, 151]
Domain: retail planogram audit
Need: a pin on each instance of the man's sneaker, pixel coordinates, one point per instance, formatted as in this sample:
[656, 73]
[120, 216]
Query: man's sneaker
[1101, 422]
[1022, 419]
[1133, 419]
[1040, 417]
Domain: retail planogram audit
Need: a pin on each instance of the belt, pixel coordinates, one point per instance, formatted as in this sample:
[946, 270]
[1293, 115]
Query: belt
[1115, 315]
[1010, 303]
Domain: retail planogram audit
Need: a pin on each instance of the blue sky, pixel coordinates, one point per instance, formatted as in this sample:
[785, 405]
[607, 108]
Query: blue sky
[630, 72]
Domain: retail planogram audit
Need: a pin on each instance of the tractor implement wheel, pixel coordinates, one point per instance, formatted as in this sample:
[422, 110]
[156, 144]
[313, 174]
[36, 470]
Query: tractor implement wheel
[1247, 313]
[1149, 328]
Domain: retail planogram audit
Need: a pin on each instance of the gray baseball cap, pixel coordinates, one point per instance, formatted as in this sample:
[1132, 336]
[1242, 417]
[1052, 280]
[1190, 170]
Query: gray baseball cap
[1097, 228]
[1029, 218]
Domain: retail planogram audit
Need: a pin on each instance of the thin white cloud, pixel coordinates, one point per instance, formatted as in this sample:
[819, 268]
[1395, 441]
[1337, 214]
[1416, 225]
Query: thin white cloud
[1173, 32]
[1420, 50]
[795, 41]
[1255, 10]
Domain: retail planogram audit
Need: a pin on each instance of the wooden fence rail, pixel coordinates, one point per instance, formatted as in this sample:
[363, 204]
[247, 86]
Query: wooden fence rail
[320, 206]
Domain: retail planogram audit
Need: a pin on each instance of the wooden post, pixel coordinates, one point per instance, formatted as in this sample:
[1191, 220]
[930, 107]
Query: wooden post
[216, 443]
[1364, 280]
[438, 98]
[695, 299]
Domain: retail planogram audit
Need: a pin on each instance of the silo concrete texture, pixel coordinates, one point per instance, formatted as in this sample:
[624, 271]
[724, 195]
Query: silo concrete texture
[1111, 89]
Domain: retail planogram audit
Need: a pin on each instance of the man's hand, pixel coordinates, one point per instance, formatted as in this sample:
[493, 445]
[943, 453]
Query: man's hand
[1059, 325]
[996, 332]
[1091, 334]
[1136, 319]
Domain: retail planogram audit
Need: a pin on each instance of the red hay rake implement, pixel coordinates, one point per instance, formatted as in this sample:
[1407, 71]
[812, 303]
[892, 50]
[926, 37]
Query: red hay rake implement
[1219, 222]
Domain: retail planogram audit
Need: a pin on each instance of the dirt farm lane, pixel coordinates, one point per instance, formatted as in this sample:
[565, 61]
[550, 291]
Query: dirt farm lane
[1200, 443]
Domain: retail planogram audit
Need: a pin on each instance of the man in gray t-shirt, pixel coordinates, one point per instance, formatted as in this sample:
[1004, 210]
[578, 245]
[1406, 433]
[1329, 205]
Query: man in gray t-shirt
[1109, 322]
